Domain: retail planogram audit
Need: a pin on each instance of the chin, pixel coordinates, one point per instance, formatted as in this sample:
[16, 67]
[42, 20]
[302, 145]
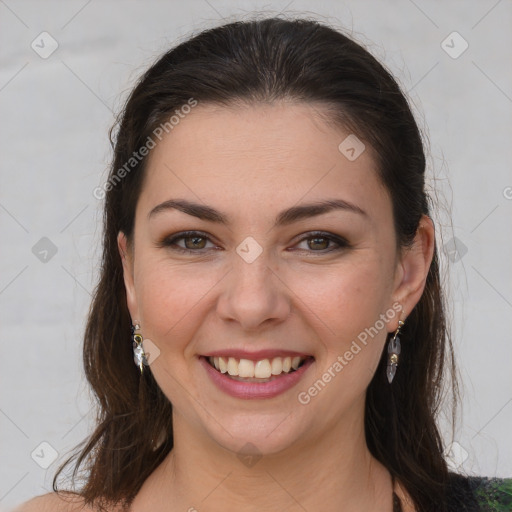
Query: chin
[257, 435]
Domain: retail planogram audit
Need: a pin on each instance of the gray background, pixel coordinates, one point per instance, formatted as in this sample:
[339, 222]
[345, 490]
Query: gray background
[55, 114]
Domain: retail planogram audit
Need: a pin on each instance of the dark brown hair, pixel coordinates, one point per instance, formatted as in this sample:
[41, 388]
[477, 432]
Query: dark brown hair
[264, 61]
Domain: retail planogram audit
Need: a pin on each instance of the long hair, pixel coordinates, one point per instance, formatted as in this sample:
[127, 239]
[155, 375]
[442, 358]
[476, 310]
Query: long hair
[264, 61]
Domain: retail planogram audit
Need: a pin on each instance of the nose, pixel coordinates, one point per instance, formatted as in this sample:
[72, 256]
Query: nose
[254, 295]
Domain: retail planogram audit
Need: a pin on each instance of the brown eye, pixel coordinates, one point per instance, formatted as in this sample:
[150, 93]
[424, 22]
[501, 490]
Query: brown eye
[194, 242]
[323, 243]
[191, 241]
[318, 242]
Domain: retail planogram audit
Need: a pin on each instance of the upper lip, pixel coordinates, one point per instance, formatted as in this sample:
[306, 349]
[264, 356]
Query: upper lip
[257, 355]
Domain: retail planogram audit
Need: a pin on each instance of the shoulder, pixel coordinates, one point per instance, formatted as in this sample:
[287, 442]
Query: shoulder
[486, 494]
[55, 502]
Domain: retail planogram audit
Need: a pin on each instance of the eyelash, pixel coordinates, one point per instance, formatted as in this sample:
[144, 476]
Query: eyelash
[170, 242]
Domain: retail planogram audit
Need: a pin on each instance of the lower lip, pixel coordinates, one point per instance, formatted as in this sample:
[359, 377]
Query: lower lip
[249, 390]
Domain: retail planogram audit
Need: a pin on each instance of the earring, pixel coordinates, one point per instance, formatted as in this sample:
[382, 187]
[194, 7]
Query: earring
[393, 353]
[139, 357]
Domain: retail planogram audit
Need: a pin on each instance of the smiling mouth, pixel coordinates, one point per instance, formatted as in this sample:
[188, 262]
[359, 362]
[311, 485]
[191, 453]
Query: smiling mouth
[264, 370]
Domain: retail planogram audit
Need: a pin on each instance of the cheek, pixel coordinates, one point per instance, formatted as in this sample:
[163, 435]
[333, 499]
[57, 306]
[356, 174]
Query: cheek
[347, 304]
[170, 299]
[346, 296]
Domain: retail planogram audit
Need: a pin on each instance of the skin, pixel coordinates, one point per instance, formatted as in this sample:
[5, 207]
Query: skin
[251, 162]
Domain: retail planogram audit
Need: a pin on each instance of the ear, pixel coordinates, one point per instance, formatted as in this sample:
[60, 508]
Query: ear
[413, 267]
[126, 254]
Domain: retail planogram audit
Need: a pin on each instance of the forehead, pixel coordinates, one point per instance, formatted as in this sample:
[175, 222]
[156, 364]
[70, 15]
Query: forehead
[259, 158]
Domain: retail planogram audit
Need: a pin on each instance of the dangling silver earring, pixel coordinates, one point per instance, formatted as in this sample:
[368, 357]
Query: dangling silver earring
[393, 353]
[139, 357]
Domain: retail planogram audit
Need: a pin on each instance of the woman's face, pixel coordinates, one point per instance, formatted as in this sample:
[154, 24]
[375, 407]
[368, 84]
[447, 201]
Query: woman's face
[263, 284]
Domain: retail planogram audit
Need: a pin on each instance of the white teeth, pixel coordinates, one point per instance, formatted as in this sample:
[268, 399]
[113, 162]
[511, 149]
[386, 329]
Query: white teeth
[245, 368]
[223, 365]
[262, 369]
[232, 366]
[277, 366]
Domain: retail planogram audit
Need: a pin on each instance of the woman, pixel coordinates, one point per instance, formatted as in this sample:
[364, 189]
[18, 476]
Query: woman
[270, 266]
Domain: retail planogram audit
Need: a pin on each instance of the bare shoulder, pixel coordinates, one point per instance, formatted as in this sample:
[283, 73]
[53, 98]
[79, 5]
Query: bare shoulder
[55, 502]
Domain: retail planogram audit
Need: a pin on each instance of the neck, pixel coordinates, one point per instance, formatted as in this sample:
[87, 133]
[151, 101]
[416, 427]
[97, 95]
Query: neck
[336, 468]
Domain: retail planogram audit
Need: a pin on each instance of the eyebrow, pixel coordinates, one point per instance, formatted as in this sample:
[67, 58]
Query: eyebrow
[286, 217]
